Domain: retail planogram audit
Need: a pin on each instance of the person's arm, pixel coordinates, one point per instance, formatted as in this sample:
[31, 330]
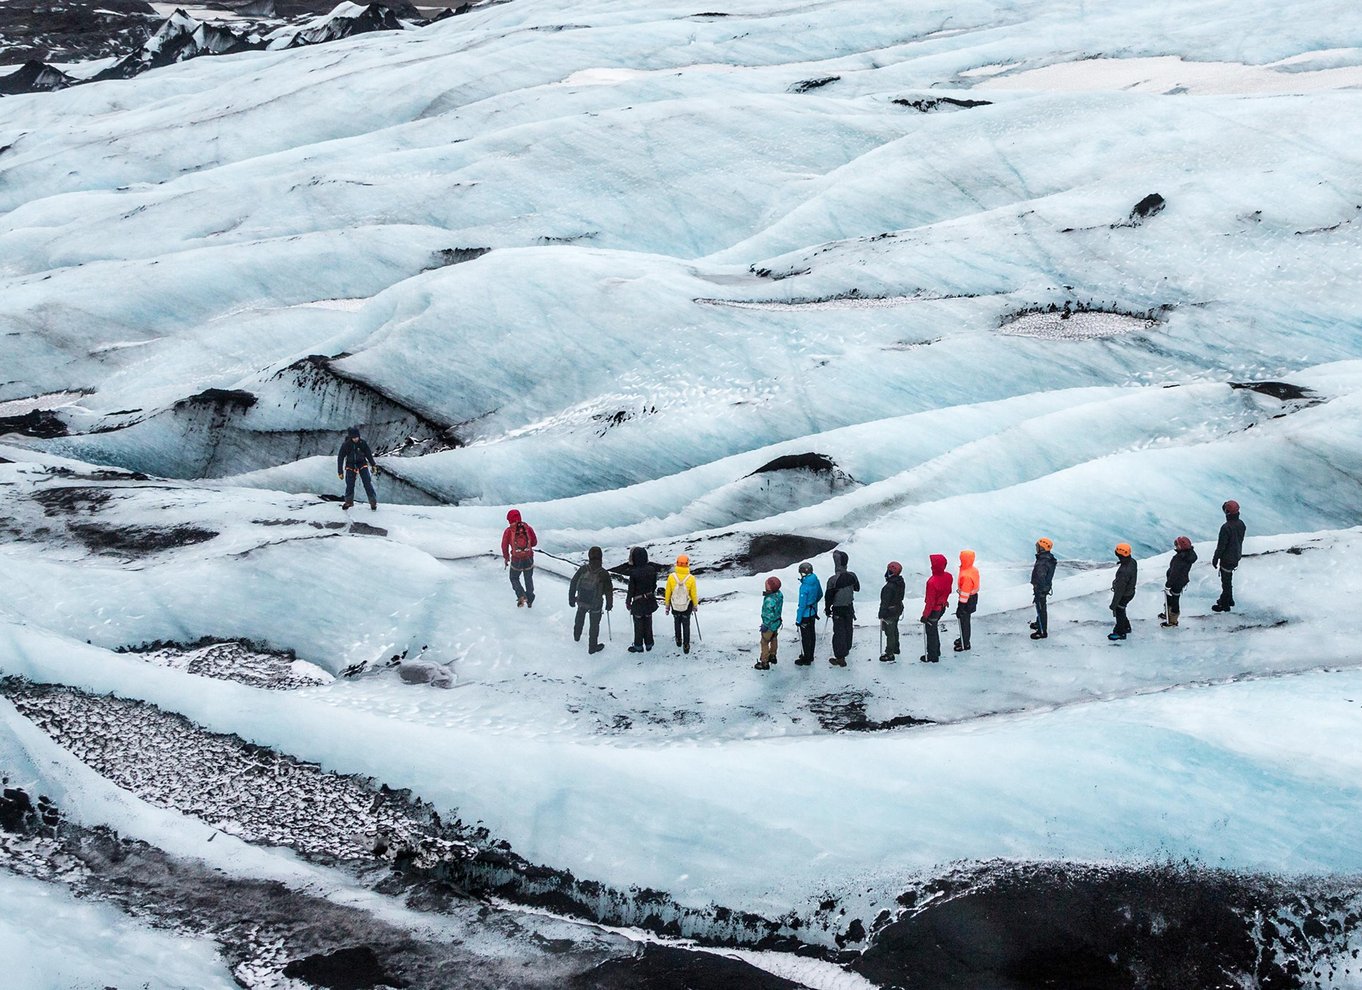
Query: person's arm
[573, 586]
[1221, 544]
[506, 545]
[340, 458]
[368, 455]
[668, 590]
[609, 589]
[694, 590]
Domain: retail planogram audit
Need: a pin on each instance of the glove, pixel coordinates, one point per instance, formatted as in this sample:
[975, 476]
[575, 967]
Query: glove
[1215, 563]
[341, 477]
[374, 469]
[610, 608]
[572, 603]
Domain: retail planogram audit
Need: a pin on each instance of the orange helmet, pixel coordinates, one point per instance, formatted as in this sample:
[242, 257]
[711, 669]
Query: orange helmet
[1045, 543]
[683, 561]
[1123, 549]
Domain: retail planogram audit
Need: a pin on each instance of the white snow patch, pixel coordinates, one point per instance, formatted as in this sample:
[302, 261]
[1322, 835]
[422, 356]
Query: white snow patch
[1170, 73]
[814, 305]
[51, 400]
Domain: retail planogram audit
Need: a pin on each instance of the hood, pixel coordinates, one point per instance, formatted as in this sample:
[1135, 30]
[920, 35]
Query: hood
[966, 558]
[938, 564]
[353, 433]
[839, 560]
[513, 516]
[638, 556]
[594, 556]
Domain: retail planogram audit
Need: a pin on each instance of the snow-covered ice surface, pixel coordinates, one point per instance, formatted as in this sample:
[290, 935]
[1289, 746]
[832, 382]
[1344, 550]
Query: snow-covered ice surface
[745, 284]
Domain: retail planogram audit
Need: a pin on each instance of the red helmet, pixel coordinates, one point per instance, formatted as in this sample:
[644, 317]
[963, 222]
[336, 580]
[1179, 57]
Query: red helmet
[773, 583]
[1230, 507]
[1182, 543]
[895, 567]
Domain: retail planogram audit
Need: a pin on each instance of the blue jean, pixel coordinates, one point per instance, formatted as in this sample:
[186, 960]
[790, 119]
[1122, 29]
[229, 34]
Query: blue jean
[525, 591]
[350, 484]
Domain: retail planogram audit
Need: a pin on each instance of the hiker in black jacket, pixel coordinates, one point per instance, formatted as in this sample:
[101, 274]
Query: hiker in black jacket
[1042, 579]
[838, 603]
[641, 598]
[891, 609]
[1179, 573]
[355, 458]
[1228, 549]
[1122, 591]
[591, 589]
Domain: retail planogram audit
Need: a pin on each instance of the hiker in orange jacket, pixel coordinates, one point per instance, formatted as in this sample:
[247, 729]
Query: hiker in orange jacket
[966, 597]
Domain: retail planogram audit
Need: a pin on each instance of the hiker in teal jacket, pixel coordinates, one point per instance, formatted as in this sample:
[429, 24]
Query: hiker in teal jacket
[772, 605]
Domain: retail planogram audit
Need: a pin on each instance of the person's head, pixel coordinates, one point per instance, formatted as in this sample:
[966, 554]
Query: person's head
[353, 433]
[1123, 549]
[638, 556]
[894, 569]
[1231, 508]
[839, 560]
[938, 563]
[513, 516]
[772, 584]
[1045, 544]
[966, 558]
[594, 556]
[1182, 543]
[683, 561]
[805, 568]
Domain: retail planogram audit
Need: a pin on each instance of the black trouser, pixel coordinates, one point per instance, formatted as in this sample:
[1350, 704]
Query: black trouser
[595, 634]
[891, 637]
[933, 630]
[1226, 587]
[363, 474]
[808, 633]
[963, 611]
[525, 591]
[1172, 605]
[1122, 622]
[681, 626]
[1042, 615]
[842, 619]
[643, 630]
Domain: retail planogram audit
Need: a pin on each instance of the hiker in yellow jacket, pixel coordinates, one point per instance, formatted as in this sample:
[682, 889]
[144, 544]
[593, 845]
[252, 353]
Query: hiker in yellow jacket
[681, 600]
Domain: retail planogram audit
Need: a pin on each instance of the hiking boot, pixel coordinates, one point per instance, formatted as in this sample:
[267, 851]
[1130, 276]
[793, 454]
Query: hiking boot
[678, 642]
[1039, 635]
[686, 648]
[926, 659]
[886, 658]
[346, 504]
[761, 665]
[649, 647]
[772, 659]
[1163, 615]
[1168, 625]
[373, 506]
[635, 648]
[836, 662]
[803, 661]
[520, 602]
[576, 637]
[1217, 607]
[1116, 637]
[596, 649]
[1035, 626]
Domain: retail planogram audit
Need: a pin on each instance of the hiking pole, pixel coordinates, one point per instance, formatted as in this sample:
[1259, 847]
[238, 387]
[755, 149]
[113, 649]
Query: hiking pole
[881, 637]
[698, 633]
[608, 631]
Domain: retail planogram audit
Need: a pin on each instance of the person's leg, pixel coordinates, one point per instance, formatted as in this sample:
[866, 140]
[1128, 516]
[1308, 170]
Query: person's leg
[932, 622]
[648, 631]
[1042, 616]
[841, 634]
[594, 637]
[1126, 627]
[685, 630]
[515, 584]
[529, 585]
[1227, 587]
[891, 637]
[767, 641]
[676, 626]
[637, 647]
[578, 623]
[808, 633]
[962, 614]
[1174, 608]
[368, 485]
[349, 487]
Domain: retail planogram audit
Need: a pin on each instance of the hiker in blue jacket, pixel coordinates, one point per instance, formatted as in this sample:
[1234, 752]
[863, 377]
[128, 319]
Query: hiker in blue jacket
[806, 613]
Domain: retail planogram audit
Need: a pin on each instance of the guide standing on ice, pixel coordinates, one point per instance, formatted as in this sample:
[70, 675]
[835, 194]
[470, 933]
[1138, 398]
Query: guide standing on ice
[806, 612]
[356, 459]
[1122, 591]
[1042, 580]
[839, 604]
[1179, 573]
[641, 598]
[891, 609]
[681, 599]
[966, 598]
[590, 590]
[517, 552]
[935, 600]
[772, 605]
[1228, 550]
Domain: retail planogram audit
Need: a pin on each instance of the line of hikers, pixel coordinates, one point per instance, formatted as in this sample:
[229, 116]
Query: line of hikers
[591, 592]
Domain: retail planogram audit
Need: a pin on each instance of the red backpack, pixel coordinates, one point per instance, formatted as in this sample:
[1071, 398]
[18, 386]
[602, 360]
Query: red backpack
[521, 550]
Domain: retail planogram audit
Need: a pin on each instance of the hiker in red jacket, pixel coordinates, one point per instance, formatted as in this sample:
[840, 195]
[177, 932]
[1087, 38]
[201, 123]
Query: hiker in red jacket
[939, 587]
[517, 552]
